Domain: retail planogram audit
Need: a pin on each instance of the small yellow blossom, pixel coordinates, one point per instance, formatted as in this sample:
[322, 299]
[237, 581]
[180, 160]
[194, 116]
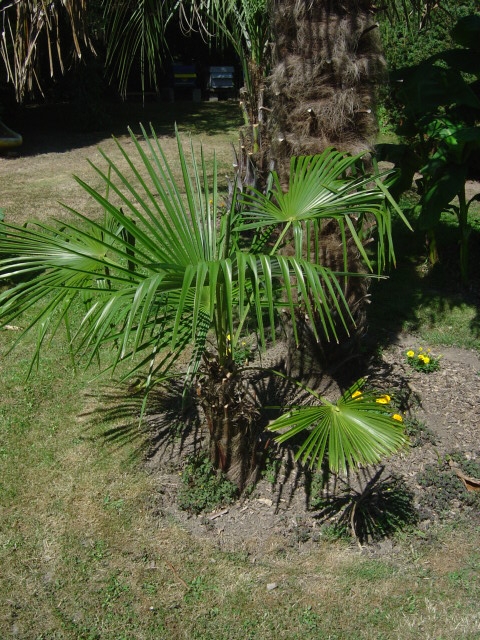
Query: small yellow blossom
[356, 394]
[420, 349]
[410, 354]
[426, 359]
[397, 417]
[421, 357]
[229, 337]
[384, 399]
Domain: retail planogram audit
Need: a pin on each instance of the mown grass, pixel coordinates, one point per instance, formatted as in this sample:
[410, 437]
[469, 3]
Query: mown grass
[86, 553]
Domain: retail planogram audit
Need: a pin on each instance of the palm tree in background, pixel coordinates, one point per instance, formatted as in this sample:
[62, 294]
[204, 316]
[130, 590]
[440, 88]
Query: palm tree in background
[40, 38]
[43, 37]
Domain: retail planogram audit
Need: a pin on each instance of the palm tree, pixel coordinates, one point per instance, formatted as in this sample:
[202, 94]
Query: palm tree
[36, 32]
[171, 272]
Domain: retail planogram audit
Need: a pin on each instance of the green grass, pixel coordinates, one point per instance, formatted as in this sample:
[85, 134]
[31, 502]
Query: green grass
[85, 553]
[428, 301]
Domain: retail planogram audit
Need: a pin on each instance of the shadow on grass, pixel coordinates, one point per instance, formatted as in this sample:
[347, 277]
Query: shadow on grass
[163, 427]
[55, 128]
[416, 297]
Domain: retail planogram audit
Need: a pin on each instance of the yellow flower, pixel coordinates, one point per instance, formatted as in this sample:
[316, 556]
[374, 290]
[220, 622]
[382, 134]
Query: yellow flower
[397, 417]
[421, 357]
[421, 349]
[384, 399]
[426, 359]
[229, 337]
[356, 394]
[410, 354]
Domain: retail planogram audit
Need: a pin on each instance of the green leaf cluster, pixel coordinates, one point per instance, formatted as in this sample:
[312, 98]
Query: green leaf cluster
[440, 100]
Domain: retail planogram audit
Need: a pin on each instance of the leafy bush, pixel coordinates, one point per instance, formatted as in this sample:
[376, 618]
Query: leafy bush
[440, 111]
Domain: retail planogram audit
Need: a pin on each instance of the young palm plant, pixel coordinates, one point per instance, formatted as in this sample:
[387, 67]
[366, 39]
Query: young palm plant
[173, 275]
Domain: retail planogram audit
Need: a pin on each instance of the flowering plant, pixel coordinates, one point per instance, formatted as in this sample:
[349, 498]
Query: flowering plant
[423, 360]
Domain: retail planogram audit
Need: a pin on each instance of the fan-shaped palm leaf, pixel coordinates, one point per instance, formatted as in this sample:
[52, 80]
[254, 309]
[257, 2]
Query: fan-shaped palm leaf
[360, 429]
[160, 263]
[325, 186]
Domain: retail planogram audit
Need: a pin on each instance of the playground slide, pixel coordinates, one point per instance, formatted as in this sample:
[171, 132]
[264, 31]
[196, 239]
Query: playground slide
[9, 138]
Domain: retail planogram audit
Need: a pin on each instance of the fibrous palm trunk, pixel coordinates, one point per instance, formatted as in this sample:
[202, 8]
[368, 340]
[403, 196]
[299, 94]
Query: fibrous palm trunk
[321, 92]
[327, 64]
[231, 414]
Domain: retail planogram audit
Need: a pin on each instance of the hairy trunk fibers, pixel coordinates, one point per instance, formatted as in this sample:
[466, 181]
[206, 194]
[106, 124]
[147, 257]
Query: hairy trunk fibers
[321, 93]
[231, 415]
[327, 63]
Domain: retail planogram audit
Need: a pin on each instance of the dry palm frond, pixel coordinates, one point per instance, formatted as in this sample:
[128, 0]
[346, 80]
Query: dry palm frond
[33, 31]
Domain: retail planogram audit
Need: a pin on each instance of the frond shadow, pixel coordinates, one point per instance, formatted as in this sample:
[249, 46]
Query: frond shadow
[163, 423]
[366, 505]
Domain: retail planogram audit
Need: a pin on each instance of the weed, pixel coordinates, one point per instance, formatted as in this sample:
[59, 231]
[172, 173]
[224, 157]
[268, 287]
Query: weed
[271, 467]
[110, 503]
[203, 488]
[419, 433]
[443, 489]
[114, 590]
[243, 353]
[309, 619]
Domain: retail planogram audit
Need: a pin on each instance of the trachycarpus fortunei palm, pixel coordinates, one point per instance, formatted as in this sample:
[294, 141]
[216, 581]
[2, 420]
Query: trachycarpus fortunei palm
[170, 271]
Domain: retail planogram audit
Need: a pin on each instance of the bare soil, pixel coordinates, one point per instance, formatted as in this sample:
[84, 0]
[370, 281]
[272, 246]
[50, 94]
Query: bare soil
[278, 515]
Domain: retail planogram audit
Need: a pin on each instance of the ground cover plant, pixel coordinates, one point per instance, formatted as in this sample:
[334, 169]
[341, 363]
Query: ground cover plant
[91, 544]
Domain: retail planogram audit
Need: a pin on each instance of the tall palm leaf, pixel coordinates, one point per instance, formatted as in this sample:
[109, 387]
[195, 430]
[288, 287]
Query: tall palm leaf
[135, 30]
[32, 28]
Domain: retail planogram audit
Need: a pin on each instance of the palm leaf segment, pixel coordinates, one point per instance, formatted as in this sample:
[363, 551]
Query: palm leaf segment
[162, 268]
[360, 429]
[331, 185]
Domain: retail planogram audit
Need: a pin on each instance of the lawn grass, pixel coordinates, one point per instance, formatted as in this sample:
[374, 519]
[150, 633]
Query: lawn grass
[429, 301]
[86, 552]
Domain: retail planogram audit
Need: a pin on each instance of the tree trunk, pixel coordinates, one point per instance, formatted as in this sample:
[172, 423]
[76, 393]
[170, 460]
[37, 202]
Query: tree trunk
[231, 415]
[321, 93]
[327, 63]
